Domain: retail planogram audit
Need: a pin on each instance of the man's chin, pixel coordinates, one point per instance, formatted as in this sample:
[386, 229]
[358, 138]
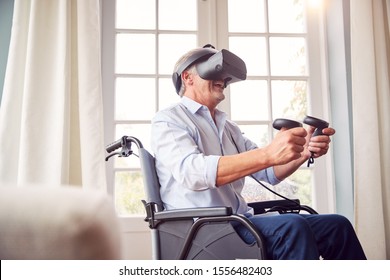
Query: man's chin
[221, 97]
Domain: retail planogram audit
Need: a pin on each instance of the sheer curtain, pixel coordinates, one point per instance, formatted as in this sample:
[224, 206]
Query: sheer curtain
[51, 120]
[370, 48]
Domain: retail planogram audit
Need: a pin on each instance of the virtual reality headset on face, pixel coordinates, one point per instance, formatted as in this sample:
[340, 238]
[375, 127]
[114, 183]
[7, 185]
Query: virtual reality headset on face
[213, 65]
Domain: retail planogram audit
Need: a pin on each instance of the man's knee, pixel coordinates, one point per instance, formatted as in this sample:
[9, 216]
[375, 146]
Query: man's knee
[341, 220]
[336, 221]
[293, 224]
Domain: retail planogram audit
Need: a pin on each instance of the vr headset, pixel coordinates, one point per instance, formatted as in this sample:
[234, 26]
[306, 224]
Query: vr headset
[213, 65]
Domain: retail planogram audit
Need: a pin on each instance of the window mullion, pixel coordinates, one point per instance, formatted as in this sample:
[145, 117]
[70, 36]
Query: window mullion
[207, 22]
[318, 105]
[222, 42]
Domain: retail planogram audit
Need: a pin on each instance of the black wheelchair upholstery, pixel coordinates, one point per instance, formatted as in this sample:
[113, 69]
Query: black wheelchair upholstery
[199, 233]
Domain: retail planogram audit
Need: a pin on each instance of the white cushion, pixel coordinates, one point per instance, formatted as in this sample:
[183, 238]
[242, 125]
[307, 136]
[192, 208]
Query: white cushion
[57, 223]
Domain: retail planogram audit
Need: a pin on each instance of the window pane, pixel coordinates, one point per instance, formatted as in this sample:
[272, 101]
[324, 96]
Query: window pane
[167, 94]
[288, 56]
[249, 100]
[302, 180]
[135, 54]
[253, 51]
[177, 15]
[286, 16]
[171, 48]
[246, 18]
[298, 185]
[129, 192]
[139, 131]
[135, 98]
[289, 99]
[256, 133]
[135, 14]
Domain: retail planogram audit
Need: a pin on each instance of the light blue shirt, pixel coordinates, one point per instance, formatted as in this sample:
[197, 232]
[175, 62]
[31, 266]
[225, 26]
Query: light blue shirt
[187, 144]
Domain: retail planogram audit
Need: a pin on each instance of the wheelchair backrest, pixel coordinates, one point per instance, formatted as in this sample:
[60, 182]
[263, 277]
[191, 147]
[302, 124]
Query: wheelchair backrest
[150, 178]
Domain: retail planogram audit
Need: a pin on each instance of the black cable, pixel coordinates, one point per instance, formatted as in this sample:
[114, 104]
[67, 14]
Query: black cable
[274, 192]
[260, 183]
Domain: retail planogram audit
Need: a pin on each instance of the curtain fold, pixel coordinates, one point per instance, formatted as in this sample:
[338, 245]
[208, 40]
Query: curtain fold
[51, 115]
[370, 58]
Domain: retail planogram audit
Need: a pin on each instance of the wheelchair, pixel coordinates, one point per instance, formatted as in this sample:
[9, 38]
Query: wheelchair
[197, 233]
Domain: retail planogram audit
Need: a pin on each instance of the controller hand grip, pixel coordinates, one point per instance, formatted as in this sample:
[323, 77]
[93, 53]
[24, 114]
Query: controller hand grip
[286, 123]
[317, 123]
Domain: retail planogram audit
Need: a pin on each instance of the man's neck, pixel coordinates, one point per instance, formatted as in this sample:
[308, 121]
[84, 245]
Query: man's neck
[205, 102]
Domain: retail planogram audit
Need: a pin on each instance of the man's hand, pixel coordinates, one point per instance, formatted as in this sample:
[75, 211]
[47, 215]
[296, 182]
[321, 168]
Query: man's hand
[319, 145]
[288, 145]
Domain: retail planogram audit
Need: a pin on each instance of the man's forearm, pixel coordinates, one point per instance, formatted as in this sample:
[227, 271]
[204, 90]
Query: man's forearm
[283, 171]
[234, 167]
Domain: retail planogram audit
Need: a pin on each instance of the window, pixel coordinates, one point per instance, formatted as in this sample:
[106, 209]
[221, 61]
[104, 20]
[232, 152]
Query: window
[142, 41]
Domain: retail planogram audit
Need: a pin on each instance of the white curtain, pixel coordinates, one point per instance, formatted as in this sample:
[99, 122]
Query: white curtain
[51, 116]
[370, 46]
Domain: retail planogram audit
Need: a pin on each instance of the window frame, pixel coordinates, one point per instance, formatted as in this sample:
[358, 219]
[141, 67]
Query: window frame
[213, 14]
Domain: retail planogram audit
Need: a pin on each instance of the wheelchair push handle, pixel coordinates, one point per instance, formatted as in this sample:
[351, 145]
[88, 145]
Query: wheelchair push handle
[124, 143]
[114, 146]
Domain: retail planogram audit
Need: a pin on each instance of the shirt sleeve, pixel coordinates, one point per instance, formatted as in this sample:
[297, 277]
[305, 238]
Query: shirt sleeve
[246, 144]
[270, 176]
[178, 156]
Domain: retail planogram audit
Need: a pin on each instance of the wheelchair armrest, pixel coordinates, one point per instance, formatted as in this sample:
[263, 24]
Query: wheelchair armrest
[264, 205]
[193, 213]
[241, 219]
[281, 206]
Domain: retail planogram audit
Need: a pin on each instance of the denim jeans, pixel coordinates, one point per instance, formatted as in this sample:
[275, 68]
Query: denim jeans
[306, 237]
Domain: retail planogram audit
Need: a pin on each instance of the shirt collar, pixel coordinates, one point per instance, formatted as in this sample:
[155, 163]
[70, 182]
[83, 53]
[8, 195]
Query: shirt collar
[191, 105]
[194, 106]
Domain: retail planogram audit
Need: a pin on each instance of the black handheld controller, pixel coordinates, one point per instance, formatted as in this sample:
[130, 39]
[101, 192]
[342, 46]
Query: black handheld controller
[309, 120]
[286, 123]
[319, 125]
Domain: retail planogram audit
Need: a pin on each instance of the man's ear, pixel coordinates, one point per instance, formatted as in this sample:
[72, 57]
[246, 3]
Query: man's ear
[187, 77]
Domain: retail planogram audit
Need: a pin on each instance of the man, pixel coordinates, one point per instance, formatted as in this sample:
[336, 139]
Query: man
[202, 160]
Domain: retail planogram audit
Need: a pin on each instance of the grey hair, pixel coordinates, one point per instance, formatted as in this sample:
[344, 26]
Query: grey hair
[191, 68]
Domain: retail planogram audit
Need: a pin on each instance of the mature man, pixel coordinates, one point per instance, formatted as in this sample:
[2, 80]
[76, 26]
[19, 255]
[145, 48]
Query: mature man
[202, 159]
